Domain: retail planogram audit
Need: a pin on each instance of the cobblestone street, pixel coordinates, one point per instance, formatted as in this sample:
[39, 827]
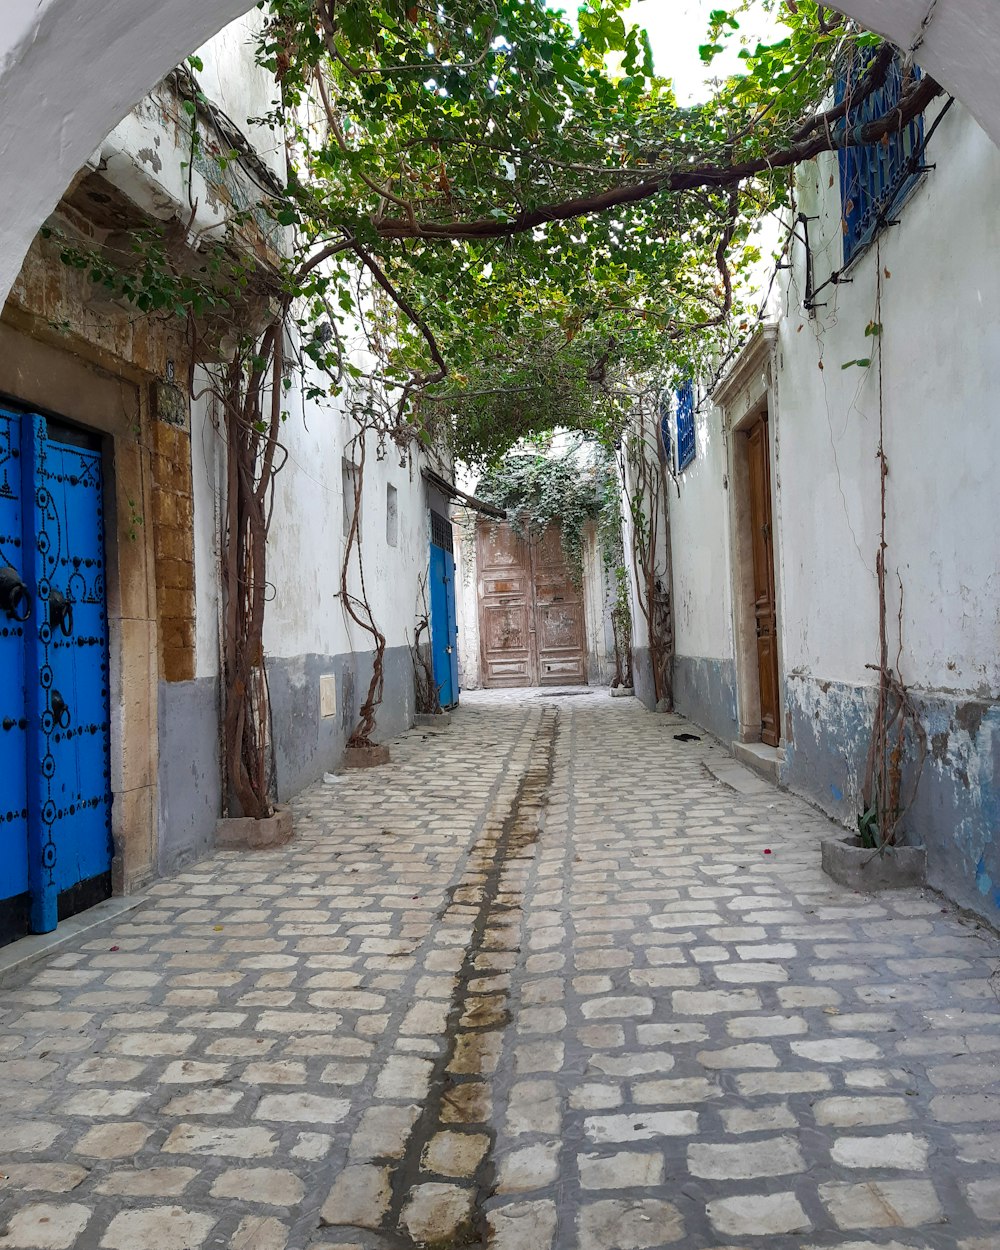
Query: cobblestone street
[543, 982]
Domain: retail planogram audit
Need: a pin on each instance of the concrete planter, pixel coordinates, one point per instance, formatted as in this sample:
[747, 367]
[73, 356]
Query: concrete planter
[243, 833]
[622, 692]
[432, 720]
[366, 757]
[867, 871]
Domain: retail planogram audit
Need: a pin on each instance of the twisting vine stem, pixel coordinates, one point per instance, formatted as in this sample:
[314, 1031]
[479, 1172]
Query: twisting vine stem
[644, 472]
[896, 723]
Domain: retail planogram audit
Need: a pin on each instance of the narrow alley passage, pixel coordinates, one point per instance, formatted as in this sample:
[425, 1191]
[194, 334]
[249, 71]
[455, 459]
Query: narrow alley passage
[544, 982]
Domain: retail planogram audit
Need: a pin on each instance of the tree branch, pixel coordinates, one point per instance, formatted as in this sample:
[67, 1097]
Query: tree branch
[910, 106]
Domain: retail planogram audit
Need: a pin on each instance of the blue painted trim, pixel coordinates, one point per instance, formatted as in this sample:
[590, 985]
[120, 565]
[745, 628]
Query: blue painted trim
[873, 178]
[686, 446]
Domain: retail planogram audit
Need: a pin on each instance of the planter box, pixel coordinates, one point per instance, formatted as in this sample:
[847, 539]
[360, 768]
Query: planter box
[432, 720]
[243, 833]
[622, 692]
[867, 871]
[366, 757]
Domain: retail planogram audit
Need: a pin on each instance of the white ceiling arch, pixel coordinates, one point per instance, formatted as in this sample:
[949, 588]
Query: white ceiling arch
[71, 69]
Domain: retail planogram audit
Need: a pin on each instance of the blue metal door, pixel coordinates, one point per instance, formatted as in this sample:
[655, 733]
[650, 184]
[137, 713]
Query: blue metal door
[444, 617]
[65, 762]
[15, 604]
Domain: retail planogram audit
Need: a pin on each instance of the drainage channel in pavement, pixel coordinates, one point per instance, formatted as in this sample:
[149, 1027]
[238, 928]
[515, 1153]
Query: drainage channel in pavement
[447, 1172]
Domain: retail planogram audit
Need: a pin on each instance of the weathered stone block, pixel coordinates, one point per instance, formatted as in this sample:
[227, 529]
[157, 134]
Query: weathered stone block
[432, 720]
[366, 757]
[867, 871]
[244, 833]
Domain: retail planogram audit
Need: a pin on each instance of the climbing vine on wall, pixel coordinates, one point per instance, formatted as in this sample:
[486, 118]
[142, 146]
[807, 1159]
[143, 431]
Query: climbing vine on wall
[537, 230]
[559, 488]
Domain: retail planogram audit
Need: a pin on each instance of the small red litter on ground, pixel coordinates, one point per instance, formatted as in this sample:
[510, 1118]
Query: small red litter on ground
[767, 850]
[114, 948]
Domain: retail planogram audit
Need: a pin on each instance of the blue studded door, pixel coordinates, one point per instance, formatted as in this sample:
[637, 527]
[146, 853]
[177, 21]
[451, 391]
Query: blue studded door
[444, 620]
[15, 605]
[64, 665]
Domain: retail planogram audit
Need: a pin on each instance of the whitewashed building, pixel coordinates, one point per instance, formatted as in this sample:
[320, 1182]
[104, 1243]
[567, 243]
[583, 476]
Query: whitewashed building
[776, 521]
[95, 404]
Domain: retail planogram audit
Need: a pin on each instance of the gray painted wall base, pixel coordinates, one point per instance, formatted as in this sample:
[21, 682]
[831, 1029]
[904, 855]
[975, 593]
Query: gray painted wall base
[189, 779]
[642, 676]
[305, 744]
[705, 692]
[956, 815]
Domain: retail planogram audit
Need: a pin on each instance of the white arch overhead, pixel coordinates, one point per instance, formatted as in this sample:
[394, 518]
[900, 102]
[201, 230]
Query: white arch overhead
[71, 69]
[958, 41]
[69, 72]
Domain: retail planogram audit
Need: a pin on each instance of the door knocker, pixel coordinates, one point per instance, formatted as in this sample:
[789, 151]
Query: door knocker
[15, 599]
[60, 613]
[60, 712]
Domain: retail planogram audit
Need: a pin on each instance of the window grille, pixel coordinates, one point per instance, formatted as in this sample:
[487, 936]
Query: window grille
[877, 178]
[441, 532]
[685, 425]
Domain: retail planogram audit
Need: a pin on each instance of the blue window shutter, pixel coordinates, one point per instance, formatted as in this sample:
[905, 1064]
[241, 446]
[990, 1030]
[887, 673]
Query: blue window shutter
[876, 179]
[685, 425]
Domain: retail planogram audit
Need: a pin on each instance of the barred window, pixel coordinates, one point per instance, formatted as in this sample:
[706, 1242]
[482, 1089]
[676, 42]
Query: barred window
[685, 424]
[877, 178]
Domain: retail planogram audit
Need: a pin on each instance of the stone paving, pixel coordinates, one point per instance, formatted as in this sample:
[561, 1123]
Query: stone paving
[542, 983]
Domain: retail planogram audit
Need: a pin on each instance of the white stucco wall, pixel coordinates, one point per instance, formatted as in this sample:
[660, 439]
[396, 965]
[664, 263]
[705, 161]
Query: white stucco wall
[145, 156]
[233, 80]
[597, 612]
[306, 543]
[699, 544]
[467, 600]
[941, 390]
[940, 433]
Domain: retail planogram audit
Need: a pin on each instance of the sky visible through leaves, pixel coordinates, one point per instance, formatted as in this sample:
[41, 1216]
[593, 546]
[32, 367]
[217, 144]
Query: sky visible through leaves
[676, 28]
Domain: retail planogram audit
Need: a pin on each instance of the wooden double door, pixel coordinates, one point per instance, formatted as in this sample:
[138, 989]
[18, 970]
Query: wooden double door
[764, 605]
[531, 617]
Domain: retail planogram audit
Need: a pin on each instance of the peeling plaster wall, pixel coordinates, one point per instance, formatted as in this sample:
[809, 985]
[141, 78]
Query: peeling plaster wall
[308, 634]
[940, 270]
[942, 444]
[69, 72]
[957, 808]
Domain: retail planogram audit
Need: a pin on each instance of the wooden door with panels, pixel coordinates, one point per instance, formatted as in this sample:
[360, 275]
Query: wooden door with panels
[560, 632]
[505, 607]
[765, 610]
[531, 618]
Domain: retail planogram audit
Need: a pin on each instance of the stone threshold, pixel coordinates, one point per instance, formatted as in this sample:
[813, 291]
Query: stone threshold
[762, 759]
[22, 954]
